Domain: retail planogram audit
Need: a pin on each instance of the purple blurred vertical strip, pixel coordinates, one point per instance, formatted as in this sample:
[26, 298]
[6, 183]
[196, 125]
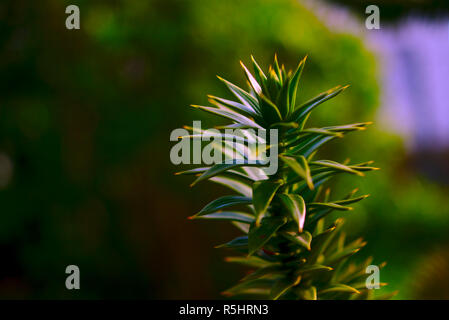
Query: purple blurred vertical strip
[414, 60]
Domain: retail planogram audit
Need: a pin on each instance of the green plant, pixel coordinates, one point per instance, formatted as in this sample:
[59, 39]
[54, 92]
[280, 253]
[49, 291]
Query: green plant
[296, 252]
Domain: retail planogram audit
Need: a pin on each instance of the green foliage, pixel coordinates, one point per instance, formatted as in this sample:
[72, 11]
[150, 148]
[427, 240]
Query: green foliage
[298, 253]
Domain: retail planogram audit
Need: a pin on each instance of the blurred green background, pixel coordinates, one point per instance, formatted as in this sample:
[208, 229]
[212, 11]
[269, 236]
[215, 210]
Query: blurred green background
[85, 119]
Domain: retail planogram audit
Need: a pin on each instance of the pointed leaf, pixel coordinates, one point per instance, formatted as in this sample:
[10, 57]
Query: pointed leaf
[254, 84]
[263, 193]
[223, 202]
[272, 84]
[308, 106]
[265, 271]
[229, 114]
[351, 200]
[314, 268]
[329, 205]
[296, 207]
[321, 131]
[233, 183]
[282, 285]
[336, 165]
[339, 288]
[284, 125]
[312, 145]
[304, 239]
[277, 69]
[251, 261]
[300, 166]
[260, 76]
[283, 100]
[293, 85]
[348, 127]
[236, 106]
[192, 171]
[224, 136]
[221, 167]
[345, 253]
[237, 242]
[228, 215]
[241, 226]
[244, 97]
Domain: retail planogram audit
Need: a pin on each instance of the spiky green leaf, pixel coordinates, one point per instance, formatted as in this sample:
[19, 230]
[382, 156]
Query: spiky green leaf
[282, 285]
[224, 202]
[227, 215]
[300, 166]
[263, 193]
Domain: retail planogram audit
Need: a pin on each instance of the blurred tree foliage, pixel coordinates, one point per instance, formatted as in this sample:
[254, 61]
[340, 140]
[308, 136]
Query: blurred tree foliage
[85, 118]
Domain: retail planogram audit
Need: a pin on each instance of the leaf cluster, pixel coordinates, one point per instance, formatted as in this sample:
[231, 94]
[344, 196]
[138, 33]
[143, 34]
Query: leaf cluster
[287, 240]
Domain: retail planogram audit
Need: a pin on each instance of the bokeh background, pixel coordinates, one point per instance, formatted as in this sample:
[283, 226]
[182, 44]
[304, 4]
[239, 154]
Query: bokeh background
[86, 115]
